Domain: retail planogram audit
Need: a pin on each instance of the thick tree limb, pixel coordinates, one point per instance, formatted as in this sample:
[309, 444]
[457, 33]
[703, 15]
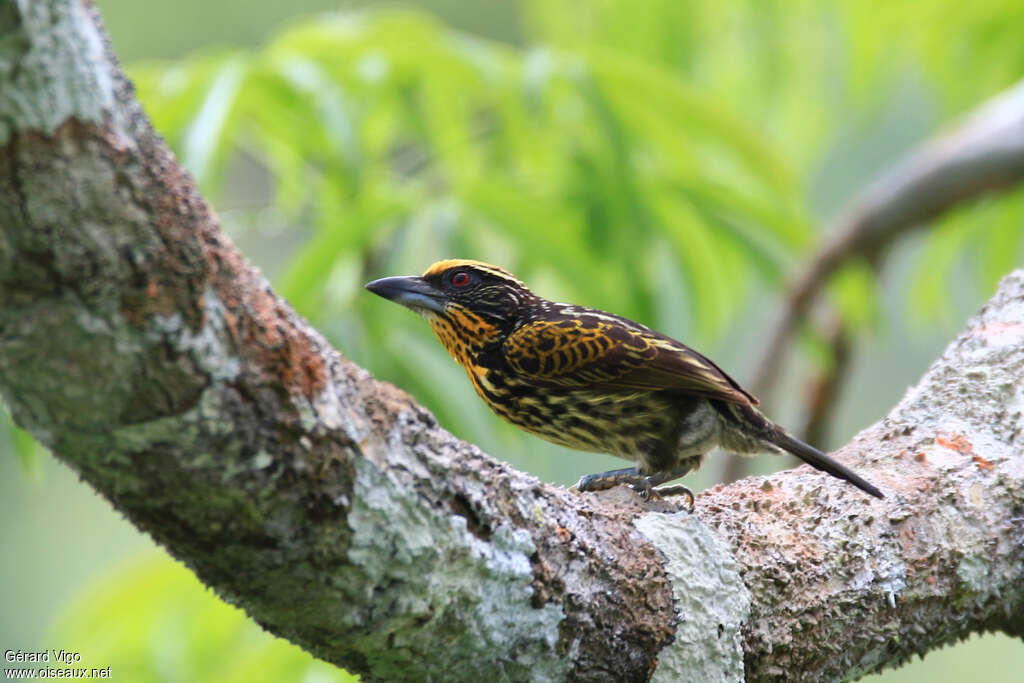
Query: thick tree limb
[982, 155]
[137, 344]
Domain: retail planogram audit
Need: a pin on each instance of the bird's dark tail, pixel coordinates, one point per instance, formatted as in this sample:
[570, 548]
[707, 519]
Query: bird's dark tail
[753, 423]
[815, 458]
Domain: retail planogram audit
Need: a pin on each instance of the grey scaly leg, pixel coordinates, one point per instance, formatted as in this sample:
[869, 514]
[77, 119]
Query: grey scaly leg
[641, 483]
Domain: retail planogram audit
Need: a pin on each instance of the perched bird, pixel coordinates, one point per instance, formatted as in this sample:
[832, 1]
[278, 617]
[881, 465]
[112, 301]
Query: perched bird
[591, 380]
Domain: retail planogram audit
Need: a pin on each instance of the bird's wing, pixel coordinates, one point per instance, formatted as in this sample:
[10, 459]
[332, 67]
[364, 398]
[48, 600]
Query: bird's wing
[602, 352]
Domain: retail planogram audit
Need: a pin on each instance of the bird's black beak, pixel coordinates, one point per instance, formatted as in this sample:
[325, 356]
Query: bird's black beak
[411, 291]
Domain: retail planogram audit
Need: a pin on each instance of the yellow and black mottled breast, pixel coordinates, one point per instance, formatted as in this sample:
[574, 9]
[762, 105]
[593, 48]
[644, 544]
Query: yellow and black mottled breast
[463, 333]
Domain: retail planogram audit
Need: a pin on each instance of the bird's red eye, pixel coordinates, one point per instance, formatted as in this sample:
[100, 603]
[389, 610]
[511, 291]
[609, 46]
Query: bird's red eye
[461, 279]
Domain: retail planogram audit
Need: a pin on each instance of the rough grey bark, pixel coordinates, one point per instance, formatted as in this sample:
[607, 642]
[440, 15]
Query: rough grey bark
[945, 549]
[137, 344]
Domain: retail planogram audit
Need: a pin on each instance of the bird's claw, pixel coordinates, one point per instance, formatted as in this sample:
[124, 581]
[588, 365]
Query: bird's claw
[643, 485]
[648, 493]
[679, 490]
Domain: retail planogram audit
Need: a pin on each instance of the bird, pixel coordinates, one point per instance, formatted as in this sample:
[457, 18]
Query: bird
[593, 381]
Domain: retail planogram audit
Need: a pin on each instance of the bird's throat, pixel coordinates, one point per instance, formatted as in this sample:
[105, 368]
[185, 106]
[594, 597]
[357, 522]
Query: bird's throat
[463, 333]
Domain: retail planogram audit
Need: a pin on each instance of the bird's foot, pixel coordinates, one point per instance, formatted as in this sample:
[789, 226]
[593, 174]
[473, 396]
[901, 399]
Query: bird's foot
[643, 484]
[651, 493]
[606, 480]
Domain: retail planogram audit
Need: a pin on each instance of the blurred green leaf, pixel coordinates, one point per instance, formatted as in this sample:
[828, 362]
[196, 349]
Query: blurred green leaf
[1002, 248]
[853, 289]
[169, 628]
[204, 143]
[309, 270]
[26, 449]
[929, 291]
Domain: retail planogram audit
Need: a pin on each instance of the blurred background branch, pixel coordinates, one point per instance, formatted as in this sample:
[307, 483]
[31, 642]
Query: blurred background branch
[982, 156]
[824, 389]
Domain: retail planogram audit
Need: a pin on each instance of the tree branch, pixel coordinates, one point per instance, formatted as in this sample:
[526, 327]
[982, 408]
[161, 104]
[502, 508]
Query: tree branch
[984, 154]
[137, 344]
[824, 389]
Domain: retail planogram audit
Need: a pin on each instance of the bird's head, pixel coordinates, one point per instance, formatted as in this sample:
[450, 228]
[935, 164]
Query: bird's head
[466, 302]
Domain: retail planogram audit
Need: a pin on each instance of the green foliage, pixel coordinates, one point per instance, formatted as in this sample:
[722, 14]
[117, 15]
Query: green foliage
[378, 126]
[804, 67]
[153, 620]
[853, 290]
[990, 234]
[25, 448]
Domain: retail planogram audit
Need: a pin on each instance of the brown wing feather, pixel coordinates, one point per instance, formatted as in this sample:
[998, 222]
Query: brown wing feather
[599, 351]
